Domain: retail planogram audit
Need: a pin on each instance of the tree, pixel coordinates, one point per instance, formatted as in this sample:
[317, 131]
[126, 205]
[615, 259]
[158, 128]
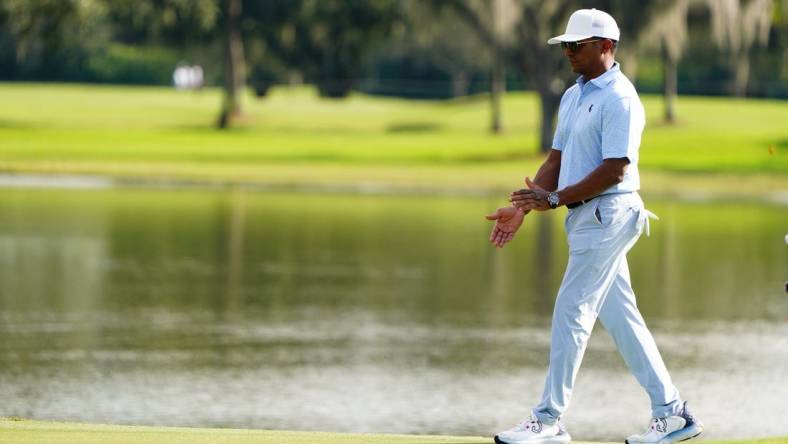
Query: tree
[37, 26]
[324, 39]
[532, 23]
[502, 23]
[332, 38]
[453, 45]
[659, 25]
[180, 24]
[737, 25]
[668, 31]
[270, 46]
[37, 35]
[434, 34]
[188, 24]
[635, 20]
[544, 65]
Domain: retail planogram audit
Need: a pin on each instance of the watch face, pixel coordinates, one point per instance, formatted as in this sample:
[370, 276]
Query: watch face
[552, 199]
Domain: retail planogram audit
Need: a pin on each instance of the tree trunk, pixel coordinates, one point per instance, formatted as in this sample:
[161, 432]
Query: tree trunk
[549, 102]
[742, 75]
[498, 77]
[670, 84]
[497, 89]
[234, 64]
[459, 83]
[544, 65]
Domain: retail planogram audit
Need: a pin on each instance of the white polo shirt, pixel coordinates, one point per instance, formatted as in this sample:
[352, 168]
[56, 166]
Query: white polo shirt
[599, 119]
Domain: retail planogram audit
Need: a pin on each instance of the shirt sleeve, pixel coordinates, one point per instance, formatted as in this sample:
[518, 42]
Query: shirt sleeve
[559, 137]
[622, 126]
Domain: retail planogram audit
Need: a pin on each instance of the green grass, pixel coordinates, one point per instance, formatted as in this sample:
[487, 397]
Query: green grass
[15, 431]
[294, 138]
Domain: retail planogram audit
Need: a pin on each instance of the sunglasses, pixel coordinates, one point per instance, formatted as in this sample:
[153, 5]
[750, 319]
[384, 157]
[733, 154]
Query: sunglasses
[575, 46]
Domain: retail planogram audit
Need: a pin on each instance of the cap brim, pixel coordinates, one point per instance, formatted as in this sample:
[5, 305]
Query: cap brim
[568, 38]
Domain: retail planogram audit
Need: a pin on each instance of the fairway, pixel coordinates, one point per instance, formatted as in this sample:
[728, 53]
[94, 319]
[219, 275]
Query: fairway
[30, 432]
[294, 138]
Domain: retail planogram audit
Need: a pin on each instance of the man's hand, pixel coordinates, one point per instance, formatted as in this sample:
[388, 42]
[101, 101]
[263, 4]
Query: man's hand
[532, 198]
[507, 221]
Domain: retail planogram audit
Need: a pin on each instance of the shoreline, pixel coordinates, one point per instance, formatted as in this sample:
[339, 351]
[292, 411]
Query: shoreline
[681, 187]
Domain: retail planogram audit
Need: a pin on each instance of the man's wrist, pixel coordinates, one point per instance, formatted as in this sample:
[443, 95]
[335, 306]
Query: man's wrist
[553, 199]
[520, 209]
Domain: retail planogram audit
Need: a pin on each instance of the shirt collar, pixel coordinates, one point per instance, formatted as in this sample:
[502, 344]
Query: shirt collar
[603, 80]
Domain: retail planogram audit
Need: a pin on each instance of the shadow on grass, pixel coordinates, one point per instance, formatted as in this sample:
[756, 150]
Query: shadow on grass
[413, 127]
[660, 122]
[16, 124]
[498, 157]
[781, 145]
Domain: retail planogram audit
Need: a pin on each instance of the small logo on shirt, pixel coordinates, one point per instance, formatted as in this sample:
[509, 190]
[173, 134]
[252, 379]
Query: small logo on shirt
[589, 108]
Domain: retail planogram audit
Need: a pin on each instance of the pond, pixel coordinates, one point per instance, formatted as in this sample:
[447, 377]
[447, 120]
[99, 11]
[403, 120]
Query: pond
[367, 313]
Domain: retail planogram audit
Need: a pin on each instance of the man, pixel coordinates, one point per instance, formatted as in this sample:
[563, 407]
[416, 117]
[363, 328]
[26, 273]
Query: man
[592, 169]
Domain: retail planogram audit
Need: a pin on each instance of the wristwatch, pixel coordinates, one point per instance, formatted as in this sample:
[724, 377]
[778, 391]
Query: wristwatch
[552, 199]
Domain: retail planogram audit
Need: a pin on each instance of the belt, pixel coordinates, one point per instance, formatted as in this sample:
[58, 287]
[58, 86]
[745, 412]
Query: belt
[580, 202]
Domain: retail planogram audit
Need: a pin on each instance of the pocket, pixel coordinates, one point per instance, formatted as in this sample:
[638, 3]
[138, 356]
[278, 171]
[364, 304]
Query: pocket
[613, 211]
[596, 213]
[585, 231]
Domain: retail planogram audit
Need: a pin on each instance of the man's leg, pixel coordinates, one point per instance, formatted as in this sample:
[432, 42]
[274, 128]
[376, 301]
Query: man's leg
[589, 276]
[622, 319]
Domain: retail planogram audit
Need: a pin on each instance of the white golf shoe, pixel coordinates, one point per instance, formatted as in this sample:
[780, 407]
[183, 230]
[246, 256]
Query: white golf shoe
[533, 431]
[669, 430]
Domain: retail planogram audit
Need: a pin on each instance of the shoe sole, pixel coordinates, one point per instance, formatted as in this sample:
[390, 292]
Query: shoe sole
[683, 434]
[551, 440]
[679, 435]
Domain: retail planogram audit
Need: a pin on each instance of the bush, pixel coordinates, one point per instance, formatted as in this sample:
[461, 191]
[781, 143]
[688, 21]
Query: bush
[117, 63]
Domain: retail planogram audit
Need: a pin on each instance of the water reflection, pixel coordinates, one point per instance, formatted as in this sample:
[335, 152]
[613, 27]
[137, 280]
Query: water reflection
[364, 313]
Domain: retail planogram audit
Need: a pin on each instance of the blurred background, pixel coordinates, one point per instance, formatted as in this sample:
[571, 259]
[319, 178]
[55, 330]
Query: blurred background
[269, 214]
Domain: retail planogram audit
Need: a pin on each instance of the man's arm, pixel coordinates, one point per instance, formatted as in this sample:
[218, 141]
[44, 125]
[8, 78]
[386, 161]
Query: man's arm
[547, 176]
[609, 173]
[509, 219]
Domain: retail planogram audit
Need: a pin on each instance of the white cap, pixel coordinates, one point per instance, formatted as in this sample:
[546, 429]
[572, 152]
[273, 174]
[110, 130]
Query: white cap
[587, 23]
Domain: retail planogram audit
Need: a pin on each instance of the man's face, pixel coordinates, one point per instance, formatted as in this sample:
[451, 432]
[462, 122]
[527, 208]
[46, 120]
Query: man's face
[586, 54]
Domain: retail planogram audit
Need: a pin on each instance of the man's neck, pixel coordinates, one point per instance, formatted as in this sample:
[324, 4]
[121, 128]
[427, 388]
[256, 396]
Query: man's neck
[598, 71]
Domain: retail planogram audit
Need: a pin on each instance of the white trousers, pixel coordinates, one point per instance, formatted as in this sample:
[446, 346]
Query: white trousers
[596, 284]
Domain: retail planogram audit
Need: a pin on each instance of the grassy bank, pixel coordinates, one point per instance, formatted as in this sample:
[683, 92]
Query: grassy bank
[29, 432]
[295, 139]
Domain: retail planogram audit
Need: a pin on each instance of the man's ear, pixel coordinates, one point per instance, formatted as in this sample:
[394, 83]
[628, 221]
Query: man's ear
[607, 46]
